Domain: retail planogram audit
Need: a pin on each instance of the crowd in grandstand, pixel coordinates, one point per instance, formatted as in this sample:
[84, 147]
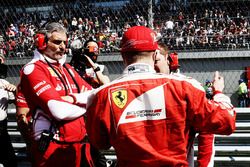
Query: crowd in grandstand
[200, 28]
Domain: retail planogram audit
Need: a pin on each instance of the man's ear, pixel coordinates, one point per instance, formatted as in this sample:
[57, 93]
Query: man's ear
[155, 55]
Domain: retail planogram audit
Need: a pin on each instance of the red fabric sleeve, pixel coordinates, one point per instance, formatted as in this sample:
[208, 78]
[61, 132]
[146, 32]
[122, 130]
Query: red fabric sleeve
[205, 149]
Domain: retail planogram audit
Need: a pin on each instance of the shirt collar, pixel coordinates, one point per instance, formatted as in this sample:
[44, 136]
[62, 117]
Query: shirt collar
[139, 68]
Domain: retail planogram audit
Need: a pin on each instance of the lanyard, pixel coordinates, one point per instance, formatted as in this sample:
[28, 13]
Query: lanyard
[59, 76]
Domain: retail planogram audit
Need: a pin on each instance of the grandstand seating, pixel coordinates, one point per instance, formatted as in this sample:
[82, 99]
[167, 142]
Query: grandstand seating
[233, 150]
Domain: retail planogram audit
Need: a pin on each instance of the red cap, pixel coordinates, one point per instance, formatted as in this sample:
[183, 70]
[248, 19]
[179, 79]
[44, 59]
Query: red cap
[139, 39]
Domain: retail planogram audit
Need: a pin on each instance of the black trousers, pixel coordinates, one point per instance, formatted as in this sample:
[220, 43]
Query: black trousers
[7, 154]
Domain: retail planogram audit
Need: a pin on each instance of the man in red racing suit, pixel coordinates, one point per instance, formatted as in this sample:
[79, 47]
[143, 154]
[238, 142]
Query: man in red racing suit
[58, 126]
[147, 116]
[169, 64]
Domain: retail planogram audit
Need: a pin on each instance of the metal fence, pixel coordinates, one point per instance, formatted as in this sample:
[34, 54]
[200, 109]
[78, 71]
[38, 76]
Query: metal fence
[199, 29]
[185, 25]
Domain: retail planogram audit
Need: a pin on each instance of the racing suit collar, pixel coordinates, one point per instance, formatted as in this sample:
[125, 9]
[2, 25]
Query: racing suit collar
[39, 56]
[139, 68]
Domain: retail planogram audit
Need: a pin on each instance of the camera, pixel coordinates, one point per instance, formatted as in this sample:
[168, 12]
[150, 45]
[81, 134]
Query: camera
[79, 60]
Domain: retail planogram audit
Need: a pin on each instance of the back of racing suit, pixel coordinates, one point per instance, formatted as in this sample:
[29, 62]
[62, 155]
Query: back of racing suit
[147, 117]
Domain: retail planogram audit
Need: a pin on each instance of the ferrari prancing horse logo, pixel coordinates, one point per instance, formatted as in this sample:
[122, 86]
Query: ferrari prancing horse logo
[120, 97]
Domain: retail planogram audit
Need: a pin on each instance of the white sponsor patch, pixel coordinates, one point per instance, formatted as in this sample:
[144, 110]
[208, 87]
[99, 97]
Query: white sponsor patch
[148, 106]
[28, 69]
[43, 89]
[39, 84]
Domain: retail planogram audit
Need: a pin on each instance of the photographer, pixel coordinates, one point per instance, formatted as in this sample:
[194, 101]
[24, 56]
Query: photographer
[84, 61]
[7, 96]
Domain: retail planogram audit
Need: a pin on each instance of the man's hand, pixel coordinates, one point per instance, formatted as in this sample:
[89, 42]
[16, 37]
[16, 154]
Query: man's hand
[68, 99]
[22, 119]
[9, 87]
[90, 61]
[218, 83]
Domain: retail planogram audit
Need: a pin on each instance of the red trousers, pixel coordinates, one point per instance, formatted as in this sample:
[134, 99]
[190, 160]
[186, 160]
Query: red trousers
[57, 155]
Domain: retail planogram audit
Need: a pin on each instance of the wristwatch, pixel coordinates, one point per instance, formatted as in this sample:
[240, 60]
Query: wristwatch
[96, 69]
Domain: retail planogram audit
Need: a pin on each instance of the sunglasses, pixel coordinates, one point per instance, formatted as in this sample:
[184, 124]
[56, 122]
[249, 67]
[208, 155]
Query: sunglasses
[59, 42]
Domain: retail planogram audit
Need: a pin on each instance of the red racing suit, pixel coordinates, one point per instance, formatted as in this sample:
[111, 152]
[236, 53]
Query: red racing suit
[205, 156]
[147, 116]
[43, 82]
[206, 151]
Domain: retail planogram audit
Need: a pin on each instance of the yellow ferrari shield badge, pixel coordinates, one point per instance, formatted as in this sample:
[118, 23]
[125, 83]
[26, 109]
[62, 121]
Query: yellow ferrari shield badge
[120, 97]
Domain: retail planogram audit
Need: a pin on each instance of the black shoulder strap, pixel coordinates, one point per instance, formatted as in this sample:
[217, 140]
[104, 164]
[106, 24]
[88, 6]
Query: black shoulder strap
[74, 80]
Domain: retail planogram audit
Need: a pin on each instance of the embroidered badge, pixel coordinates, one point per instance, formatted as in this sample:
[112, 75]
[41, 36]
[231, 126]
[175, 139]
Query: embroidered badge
[120, 97]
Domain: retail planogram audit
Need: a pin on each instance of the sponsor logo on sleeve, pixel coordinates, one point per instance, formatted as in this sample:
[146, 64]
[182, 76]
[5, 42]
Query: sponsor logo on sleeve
[46, 87]
[39, 84]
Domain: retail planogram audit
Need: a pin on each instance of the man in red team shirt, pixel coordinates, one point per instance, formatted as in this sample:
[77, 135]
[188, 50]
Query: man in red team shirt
[169, 64]
[147, 116]
[58, 126]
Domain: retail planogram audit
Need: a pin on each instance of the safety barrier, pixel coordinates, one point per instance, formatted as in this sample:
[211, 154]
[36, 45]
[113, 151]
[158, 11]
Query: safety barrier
[233, 150]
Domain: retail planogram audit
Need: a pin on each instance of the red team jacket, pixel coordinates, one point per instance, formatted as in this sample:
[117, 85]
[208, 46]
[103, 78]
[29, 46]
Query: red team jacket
[146, 117]
[43, 88]
[206, 151]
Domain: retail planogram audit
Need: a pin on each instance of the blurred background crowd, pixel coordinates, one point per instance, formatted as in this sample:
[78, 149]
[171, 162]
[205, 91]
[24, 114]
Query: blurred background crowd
[183, 26]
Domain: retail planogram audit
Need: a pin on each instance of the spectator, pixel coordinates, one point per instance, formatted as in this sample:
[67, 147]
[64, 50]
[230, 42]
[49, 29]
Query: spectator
[10, 33]
[14, 29]
[132, 112]
[179, 37]
[7, 90]
[58, 126]
[74, 24]
[242, 93]
[169, 26]
[208, 89]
